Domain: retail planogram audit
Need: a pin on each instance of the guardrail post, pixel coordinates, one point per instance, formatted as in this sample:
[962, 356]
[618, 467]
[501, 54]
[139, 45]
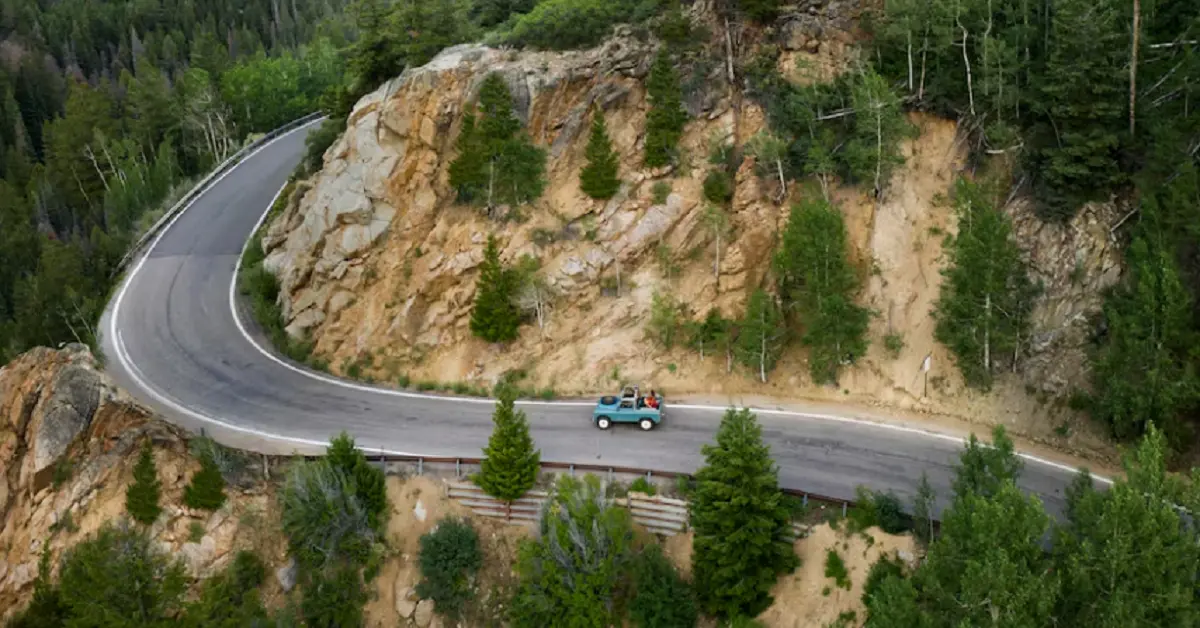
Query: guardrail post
[457, 468]
[420, 466]
[843, 509]
[610, 475]
[571, 469]
[804, 500]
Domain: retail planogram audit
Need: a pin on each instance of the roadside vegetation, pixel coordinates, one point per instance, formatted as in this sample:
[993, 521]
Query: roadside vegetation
[996, 551]
[109, 114]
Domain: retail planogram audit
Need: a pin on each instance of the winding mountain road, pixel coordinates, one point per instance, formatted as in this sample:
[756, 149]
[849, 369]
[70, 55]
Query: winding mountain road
[176, 338]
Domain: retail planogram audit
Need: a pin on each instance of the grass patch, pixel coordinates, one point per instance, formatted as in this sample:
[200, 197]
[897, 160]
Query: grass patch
[894, 344]
[659, 192]
[642, 485]
[195, 532]
[62, 472]
[835, 568]
[262, 289]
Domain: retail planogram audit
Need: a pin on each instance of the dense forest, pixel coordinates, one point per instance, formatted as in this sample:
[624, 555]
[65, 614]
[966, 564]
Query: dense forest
[110, 110]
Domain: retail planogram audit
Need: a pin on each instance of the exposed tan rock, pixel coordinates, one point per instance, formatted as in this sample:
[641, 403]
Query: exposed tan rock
[57, 401]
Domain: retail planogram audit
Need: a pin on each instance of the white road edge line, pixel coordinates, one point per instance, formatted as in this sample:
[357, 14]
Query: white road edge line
[127, 362]
[135, 373]
[411, 395]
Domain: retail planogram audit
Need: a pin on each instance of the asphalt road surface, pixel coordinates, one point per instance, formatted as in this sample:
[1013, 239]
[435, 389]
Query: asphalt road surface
[173, 340]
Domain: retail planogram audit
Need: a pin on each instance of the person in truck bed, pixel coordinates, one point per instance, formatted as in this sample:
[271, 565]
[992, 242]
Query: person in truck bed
[652, 400]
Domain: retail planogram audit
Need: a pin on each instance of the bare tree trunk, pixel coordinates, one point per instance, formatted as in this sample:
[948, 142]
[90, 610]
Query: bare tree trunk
[87, 152]
[967, 61]
[908, 37]
[728, 53]
[1137, 17]
[491, 182]
[987, 334]
[782, 181]
[717, 261]
[924, 57]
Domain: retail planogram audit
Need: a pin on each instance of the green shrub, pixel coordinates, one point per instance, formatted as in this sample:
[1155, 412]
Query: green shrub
[207, 488]
[320, 140]
[450, 557]
[642, 485]
[46, 608]
[370, 485]
[567, 24]
[334, 598]
[195, 532]
[660, 192]
[62, 471]
[894, 343]
[718, 187]
[119, 578]
[141, 497]
[884, 568]
[323, 517]
[661, 598]
[835, 568]
[573, 568]
[403, 380]
[231, 598]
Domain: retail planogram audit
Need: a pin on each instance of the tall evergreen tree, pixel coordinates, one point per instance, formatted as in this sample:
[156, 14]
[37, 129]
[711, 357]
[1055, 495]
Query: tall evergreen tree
[1082, 103]
[141, 497]
[760, 338]
[494, 316]
[370, 485]
[1124, 556]
[988, 565]
[666, 118]
[983, 310]
[741, 521]
[1142, 372]
[598, 179]
[206, 491]
[510, 465]
[817, 281]
[496, 163]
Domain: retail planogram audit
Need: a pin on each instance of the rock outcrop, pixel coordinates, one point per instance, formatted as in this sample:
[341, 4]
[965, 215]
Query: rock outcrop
[378, 262]
[68, 443]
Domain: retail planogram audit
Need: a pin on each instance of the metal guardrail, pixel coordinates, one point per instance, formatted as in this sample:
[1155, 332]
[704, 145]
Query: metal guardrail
[203, 185]
[528, 507]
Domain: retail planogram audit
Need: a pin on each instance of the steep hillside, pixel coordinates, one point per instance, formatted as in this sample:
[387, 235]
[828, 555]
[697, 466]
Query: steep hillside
[378, 262]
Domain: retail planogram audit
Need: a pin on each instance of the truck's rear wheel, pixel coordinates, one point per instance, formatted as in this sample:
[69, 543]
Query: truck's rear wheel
[603, 423]
[646, 424]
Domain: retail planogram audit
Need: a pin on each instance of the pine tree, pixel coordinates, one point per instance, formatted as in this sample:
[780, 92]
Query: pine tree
[816, 279]
[497, 163]
[370, 486]
[666, 118]
[760, 337]
[983, 310]
[141, 497]
[510, 464]
[1142, 372]
[207, 488]
[494, 317]
[599, 177]
[1082, 95]
[741, 521]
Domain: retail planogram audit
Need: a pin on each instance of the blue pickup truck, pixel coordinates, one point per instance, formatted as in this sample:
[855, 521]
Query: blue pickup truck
[629, 407]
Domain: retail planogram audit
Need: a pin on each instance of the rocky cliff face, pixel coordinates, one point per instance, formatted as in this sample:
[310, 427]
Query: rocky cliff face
[378, 263]
[68, 443]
